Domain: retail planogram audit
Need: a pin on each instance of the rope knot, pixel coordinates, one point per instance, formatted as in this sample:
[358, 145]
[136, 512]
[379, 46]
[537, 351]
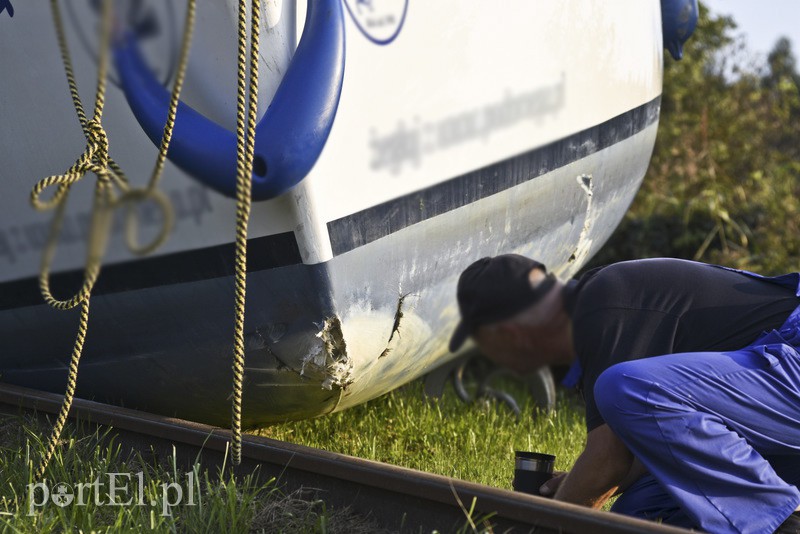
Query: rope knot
[95, 159]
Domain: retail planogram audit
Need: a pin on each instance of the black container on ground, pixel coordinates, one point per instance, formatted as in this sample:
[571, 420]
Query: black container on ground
[531, 470]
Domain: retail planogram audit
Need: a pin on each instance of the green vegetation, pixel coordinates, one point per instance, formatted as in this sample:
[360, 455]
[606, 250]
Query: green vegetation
[208, 502]
[473, 442]
[470, 441]
[724, 182]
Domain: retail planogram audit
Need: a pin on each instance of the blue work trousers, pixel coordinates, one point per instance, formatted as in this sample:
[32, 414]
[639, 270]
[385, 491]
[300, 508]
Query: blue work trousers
[719, 433]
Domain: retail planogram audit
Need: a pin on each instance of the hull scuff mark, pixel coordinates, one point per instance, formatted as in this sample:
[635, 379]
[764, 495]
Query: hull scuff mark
[586, 183]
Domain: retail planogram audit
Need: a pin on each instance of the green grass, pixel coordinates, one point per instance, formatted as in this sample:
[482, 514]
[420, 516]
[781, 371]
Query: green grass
[218, 501]
[474, 442]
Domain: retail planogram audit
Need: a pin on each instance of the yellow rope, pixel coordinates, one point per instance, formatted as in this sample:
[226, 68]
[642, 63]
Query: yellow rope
[96, 159]
[245, 149]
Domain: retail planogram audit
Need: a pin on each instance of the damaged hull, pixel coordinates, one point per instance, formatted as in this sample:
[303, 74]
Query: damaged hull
[352, 273]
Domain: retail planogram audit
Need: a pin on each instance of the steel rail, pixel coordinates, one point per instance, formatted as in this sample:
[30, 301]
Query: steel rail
[397, 498]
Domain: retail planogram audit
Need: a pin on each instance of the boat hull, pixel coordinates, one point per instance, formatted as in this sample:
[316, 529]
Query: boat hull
[432, 163]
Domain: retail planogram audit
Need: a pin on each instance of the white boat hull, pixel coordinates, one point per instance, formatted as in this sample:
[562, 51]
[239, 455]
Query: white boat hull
[465, 134]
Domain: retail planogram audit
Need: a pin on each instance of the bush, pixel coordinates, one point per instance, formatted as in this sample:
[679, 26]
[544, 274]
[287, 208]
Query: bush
[722, 186]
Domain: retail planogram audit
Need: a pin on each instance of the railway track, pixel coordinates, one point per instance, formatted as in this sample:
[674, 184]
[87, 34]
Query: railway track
[396, 498]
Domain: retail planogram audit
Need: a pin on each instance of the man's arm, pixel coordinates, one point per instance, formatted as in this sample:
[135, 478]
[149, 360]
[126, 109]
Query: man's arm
[636, 472]
[604, 464]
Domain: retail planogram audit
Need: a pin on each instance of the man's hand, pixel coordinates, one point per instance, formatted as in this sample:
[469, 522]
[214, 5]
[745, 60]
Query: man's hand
[550, 487]
[601, 468]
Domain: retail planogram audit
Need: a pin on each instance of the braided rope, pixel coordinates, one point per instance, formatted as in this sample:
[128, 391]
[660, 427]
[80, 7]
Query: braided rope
[133, 196]
[96, 159]
[73, 88]
[245, 150]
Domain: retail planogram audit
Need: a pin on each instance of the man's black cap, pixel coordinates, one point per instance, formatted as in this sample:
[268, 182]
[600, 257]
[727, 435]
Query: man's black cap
[494, 289]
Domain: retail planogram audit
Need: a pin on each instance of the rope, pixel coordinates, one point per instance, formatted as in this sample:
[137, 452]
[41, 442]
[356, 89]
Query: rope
[245, 150]
[96, 159]
[133, 196]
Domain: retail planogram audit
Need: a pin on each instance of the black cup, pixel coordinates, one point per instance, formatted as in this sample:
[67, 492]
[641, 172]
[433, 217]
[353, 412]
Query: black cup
[531, 470]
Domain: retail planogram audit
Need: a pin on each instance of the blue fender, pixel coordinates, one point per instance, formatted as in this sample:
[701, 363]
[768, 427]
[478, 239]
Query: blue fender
[678, 21]
[290, 135]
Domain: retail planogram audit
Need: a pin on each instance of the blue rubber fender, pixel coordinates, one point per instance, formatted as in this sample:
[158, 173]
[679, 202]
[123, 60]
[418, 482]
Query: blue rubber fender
[678, 21]
[290, 135]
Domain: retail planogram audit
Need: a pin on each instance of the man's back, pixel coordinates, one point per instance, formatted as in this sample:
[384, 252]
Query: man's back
[644, 308]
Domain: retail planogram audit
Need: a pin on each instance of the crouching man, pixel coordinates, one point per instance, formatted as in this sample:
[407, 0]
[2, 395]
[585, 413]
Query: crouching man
[690, 373]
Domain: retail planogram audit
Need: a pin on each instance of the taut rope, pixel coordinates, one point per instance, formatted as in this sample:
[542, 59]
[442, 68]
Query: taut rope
[245, 149]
